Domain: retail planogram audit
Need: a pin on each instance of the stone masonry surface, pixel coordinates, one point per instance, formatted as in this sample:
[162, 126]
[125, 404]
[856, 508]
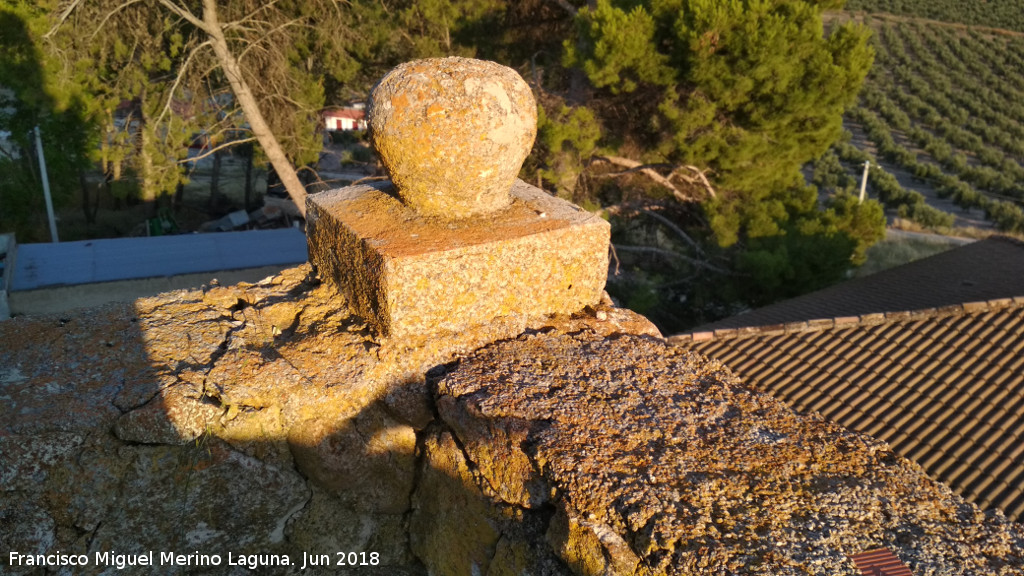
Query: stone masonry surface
[257, 418]
[268, 419]
[657, 461]
[407, 274]
[454, 240]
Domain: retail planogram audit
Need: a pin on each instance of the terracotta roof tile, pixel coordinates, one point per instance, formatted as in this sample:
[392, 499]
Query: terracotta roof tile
[943, 386]
[928, 357]
[941, 281]
[880, 562]
[1009, 497]
[877, 428]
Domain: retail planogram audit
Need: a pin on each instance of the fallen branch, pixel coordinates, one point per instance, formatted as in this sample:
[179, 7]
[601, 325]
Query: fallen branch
[369, 179]
[211, 151]
[63, 16]
[646, 170]
[615, 255]
[701, 176]
[649, 171]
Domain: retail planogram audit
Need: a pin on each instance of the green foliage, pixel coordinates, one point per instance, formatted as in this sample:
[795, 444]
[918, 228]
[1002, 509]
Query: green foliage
[790, 264]
[433, 28]
[730, 80]
[1007, 216]
[804, 253]
[830, 175]
[862, 222]
[617, 48]
[566, 138]
[792, 247]
[152, 80]
[751, 90]
[29, 99]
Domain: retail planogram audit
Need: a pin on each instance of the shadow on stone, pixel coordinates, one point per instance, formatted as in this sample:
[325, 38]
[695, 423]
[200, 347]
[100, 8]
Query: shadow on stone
[255, 419]
[262, 420]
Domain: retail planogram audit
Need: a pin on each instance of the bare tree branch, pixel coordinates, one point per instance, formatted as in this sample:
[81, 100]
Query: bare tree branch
[672, 226]
[63, 16]
[249, 16]
[648, 171]
[564, 4]
[8, 154]
[615, 255]
[266, 36]
[250, 107]
[186, 15]
[216, 149]
[702, 177]
[110, 14]
[177, 80]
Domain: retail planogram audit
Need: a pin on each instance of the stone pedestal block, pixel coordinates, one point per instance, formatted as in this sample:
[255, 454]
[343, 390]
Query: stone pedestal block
[408, 274]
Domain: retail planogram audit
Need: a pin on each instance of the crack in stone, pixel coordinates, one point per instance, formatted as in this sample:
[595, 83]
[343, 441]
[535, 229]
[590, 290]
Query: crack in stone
[92, 537]
[220, 352]
[277, 535]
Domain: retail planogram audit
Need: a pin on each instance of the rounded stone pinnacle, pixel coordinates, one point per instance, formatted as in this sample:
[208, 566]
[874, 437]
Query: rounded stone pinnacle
[452, 133]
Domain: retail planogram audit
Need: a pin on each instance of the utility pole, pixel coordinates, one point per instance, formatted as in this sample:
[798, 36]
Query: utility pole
[864, 182]
[46, 188]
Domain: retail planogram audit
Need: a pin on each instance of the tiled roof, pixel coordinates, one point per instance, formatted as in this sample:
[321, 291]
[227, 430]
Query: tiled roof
[985, 270]
[350, 113]
[880, 562]
[943, 386]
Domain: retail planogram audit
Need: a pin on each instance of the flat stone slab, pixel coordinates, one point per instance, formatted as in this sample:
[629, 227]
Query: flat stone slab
[407, 274]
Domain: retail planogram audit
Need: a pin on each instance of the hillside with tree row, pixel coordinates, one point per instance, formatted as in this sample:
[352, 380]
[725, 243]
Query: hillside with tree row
[943, 105]
[1008, 14]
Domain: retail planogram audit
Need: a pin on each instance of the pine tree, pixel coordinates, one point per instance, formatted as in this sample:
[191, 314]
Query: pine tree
[432, 28]
[30, 100]
[750, 90]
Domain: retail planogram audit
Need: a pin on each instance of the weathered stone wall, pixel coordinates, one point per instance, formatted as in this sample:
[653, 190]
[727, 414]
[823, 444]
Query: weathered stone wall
[267, 420]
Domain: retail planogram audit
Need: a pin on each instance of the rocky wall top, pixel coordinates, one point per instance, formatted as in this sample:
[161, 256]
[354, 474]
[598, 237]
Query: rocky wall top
[266, 422]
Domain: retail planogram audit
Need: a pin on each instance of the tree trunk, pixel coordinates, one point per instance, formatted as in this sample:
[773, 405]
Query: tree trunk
[247, 102]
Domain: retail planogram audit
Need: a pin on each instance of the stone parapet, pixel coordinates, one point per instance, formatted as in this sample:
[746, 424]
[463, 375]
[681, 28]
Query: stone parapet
[262, 420]
[408, 274]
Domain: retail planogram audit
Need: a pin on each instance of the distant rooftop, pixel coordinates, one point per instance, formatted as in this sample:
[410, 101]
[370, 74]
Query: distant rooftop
[107, 260]
[953, 277]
